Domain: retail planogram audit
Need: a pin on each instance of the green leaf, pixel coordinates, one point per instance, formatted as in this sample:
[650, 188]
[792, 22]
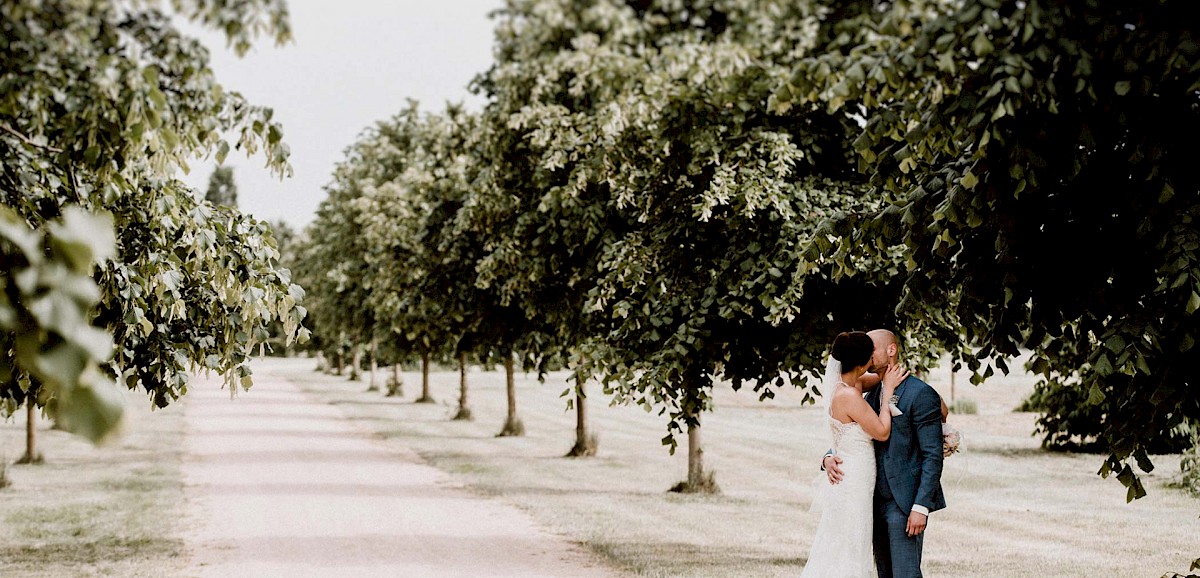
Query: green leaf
[1168, 192]
[981, 46]
[150, 75]
[1141, 364]
[83, 237]
[15, 230]
[93, 410]
[1116, 343]
[1143, 461]
[61, 365]
[1121, 87]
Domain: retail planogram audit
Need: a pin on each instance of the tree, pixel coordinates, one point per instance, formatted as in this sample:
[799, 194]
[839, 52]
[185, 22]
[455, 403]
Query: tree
[333, 263]
[1036, 162]
[101, 105]
[55, 352]
[222, 190]
[424, 250]
[395, 231]
[288, 242]
[663, 190]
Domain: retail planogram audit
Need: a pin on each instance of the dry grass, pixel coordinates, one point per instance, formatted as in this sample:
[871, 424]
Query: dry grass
[89, 511]
[1015, 510]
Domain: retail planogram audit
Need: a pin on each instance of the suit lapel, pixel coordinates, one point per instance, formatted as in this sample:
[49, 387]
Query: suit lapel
[873, 397]
[900, 389]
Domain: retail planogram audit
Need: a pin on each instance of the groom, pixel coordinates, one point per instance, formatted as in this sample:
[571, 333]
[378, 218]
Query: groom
[908, 467]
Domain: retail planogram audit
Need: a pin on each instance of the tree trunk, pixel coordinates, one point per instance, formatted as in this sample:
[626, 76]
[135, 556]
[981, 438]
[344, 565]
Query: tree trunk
[952, 374]
[321, 363]
[372, 385]
[464, 410]
[695, 455]
[513, 425]
[425, 397]
[32, 455]
[585, 444]
[396, 387]
[355, 363]
[339, 363]
[698, 481]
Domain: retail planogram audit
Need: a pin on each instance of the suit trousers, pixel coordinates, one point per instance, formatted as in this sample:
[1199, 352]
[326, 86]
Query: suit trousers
[896, 554]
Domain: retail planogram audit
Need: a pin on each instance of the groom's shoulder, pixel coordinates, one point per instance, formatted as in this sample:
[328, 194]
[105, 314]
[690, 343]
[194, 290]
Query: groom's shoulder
[917, 384]
[914, 380]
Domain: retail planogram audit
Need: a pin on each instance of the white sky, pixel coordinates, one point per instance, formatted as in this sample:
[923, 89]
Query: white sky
[351, 63]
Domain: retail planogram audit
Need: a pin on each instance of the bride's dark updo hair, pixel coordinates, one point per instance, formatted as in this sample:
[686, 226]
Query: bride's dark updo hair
[852, 349]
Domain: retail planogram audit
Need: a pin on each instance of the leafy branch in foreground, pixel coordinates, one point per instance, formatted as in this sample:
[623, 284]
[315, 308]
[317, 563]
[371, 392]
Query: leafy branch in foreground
[101, 105]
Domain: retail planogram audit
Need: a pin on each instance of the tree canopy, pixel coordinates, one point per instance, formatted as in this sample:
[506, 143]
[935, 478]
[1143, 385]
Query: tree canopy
[688, 193]
[100, 106]
[222, 189]
[1036, 164]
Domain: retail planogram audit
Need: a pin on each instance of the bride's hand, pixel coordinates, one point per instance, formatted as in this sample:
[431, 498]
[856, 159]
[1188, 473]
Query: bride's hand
[892, 379]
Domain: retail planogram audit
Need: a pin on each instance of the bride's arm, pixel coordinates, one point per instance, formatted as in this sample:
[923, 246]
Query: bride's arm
[879, 427]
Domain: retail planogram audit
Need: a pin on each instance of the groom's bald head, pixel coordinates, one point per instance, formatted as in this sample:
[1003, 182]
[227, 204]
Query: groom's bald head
[887, 346]
[883, 337]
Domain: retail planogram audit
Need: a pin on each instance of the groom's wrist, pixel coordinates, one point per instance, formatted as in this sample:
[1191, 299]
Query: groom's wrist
[918, 508]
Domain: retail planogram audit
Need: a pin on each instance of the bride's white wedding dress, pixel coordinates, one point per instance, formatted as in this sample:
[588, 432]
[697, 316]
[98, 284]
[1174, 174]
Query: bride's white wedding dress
[842, 546]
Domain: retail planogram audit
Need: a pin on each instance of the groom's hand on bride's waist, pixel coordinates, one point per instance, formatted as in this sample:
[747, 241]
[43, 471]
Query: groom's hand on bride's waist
[832, 465]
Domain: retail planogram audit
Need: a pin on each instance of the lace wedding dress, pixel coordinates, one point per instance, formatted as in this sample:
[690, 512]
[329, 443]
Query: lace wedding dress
[842, 546]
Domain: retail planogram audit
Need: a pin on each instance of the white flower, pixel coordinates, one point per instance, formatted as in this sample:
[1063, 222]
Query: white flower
[951, 440]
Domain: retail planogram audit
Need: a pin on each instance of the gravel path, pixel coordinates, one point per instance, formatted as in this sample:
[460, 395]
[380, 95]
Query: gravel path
[280, 485]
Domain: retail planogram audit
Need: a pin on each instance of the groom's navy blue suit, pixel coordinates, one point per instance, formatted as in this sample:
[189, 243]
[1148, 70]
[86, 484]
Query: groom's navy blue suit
[908, 472]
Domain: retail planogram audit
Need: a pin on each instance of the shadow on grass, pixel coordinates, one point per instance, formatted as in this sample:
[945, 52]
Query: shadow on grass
[679, 558]
[497, 552]
[420, 435]
[1014, 452]
[80, 552]
[392, 402]
[535, 491]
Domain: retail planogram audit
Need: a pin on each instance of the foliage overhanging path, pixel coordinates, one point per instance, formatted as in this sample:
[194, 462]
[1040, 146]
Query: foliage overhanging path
[281, 485]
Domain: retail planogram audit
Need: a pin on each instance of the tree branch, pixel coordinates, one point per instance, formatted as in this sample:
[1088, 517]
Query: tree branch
[27, 140]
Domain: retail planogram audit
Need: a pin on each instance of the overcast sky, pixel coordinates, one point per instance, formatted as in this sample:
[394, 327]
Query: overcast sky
[352, 62]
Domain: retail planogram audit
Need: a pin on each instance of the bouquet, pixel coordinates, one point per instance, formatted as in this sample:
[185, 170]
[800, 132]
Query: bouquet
[951, 440]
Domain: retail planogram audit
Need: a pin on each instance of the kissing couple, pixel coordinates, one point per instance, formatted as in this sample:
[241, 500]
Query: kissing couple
[885, 467]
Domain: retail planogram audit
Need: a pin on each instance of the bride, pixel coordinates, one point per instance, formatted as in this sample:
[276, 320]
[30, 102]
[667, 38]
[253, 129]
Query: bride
[842, 546]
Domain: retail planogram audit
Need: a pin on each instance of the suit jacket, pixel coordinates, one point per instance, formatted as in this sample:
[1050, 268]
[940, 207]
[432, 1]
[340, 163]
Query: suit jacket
[911, 458]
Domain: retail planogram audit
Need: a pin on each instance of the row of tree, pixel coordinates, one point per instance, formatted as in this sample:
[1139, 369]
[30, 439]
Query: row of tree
[114, 271]
[666, 195]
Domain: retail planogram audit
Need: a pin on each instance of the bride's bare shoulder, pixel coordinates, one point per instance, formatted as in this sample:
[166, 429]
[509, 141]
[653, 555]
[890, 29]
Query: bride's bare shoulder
[846, 395]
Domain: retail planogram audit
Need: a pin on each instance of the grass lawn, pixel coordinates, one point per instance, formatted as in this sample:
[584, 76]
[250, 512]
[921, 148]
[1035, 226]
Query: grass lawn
[87, 511]
[1014, 510]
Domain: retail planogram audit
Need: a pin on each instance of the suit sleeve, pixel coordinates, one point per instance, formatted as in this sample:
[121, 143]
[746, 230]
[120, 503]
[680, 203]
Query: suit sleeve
[927, 420]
